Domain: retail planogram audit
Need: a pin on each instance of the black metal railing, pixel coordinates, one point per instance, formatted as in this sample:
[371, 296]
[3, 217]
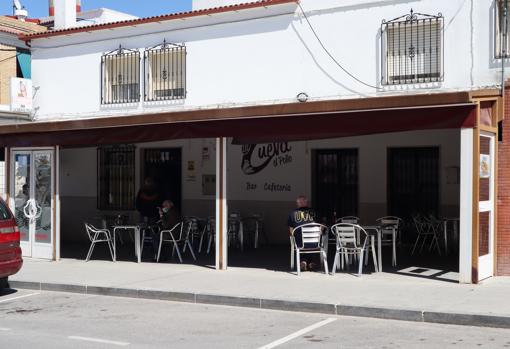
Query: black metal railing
[116, 177]
[412, 49]
[120, 76]
[501, 39]
[165, 72]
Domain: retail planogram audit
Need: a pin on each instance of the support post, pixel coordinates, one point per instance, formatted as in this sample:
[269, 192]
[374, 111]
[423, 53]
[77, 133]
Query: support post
[221, 203]
[57, 237]
[466, 205]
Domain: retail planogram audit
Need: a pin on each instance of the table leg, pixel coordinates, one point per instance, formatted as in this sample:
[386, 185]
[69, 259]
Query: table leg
[445, 233]
[379, 249]
[241, 235]
[137, 244]
[394, 238]
[114, 249]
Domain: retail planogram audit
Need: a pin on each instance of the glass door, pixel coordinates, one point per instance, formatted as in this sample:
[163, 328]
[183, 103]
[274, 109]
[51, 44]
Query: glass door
[32, 193]
[486, 207]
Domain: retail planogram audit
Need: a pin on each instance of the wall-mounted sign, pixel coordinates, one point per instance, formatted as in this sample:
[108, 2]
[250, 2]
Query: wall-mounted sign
[257, 157]
[485, 166]
[21, 95]
[205, 154]
[190, 173]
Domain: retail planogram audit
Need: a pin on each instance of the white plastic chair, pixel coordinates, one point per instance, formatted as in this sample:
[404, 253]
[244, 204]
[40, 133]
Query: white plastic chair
[312, 235]
[178, 235]
[98, 235]
[351, 240]
[389, 234]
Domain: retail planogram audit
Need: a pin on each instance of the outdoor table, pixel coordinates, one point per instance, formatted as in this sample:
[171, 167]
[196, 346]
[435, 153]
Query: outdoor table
[136, 229]
[373, 231]
[455, 222]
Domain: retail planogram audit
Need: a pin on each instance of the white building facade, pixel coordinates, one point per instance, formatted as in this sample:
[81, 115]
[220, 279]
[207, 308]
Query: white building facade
[274, 60]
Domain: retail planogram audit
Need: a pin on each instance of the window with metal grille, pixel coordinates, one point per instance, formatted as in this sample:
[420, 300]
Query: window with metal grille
[120, 76]
[116, 182]
[501, 41]
[412, 49]
[165, 72]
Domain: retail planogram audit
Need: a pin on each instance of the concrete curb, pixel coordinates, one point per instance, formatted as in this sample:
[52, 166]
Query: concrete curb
[478, 320]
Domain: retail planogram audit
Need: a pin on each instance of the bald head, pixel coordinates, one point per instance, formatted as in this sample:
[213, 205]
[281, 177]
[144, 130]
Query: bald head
[301, 201]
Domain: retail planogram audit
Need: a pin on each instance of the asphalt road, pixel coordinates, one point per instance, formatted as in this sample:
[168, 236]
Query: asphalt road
[31, 319]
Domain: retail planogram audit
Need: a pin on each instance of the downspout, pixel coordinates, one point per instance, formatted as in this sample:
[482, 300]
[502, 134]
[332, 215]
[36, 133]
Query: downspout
[503, 45]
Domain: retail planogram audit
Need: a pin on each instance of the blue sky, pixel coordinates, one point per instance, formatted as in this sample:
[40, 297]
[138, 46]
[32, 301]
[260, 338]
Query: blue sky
[140, 8]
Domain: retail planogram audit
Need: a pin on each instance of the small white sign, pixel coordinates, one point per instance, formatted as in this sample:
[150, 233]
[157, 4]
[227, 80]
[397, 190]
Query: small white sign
[485, 166]
[21, 95]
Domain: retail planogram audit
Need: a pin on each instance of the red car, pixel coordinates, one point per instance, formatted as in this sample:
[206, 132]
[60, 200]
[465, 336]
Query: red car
[10, 250]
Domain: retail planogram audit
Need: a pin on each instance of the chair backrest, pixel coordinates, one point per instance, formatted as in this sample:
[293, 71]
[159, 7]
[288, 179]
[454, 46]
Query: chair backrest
[91, 230]
[211, 225]
[349, 235]
[311, 234]
[178, 230]
[389, 223]
[193, 222]
[348, 219]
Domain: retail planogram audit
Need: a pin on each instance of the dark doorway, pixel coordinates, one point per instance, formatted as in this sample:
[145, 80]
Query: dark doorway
[164, 166]
[413, 182]
[335, 183]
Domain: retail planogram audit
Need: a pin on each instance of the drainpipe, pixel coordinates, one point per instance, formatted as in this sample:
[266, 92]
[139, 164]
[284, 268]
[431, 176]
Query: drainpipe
[503, 45]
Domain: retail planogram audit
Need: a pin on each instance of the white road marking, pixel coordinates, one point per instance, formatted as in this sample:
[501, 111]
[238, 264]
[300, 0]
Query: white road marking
[14, 298]
[298, 333]
[99, 340]
[4, 329]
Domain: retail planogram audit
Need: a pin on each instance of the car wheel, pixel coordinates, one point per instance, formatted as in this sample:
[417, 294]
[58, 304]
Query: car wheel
[4, 283]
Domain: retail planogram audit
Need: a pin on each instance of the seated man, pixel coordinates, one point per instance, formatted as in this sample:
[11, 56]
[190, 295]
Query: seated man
[298, 217]
[169, 216]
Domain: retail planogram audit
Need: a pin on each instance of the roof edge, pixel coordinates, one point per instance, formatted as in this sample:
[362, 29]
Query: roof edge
[167, 17]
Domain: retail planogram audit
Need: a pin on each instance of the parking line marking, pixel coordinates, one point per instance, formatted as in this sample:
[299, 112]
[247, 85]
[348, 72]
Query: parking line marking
[98, 340]
[298, 333]
[14, 298]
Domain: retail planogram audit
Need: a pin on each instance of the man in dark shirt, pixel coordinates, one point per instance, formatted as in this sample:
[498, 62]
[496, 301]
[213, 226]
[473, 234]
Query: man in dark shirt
[298, 217]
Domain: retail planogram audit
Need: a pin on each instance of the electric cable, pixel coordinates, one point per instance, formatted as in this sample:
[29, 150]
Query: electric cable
[329, 53]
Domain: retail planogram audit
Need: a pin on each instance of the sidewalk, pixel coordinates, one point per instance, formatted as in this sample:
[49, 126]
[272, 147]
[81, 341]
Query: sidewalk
[380, 295]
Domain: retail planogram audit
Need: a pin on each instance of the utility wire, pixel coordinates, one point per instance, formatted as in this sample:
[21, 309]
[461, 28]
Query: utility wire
[329, 53]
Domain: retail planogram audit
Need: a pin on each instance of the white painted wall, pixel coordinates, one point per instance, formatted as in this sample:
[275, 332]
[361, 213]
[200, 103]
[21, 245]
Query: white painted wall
[78, 181]
[235, 60]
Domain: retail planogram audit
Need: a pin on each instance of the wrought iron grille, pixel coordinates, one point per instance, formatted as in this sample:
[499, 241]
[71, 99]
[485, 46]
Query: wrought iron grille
[116, 178]
[120, 76]
[412, 49]
[165, 72]
[501, 42]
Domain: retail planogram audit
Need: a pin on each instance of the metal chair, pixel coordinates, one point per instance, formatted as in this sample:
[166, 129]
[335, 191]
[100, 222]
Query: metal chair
[426, 227]
[177, 235]
[389, 234]
[98, 235]
[348, 219]
[312, 236]
[351, 240]
[209, 231]
[234, 230]
[252, 225]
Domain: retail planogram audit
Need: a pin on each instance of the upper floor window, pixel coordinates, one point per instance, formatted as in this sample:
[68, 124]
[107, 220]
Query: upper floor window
[120, 76]
[412, 49]
[165, 72]
[501, 44]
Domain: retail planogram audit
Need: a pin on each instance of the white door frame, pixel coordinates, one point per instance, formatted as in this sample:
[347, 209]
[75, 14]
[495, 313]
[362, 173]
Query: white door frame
[33, 248]
[486, 262]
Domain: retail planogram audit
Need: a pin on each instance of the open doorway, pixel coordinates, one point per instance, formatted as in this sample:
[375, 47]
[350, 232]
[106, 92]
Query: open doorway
[164, 166]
